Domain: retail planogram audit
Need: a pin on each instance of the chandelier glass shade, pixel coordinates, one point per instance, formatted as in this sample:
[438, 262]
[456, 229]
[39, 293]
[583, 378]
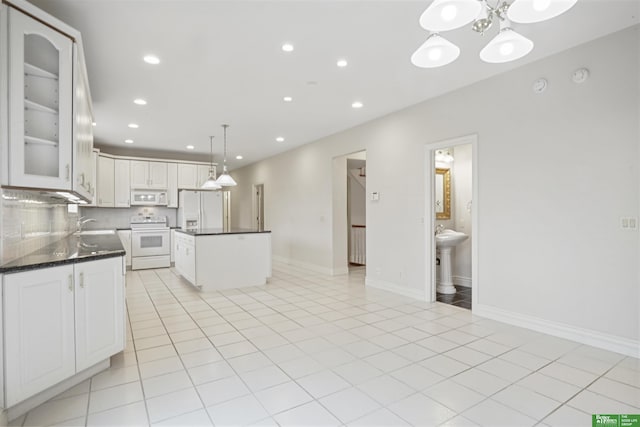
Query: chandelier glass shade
[435, 52]
[508, 45]
[530, 11]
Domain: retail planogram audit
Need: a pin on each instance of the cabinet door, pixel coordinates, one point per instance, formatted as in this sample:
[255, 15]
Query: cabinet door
[158, 175]
[172, 185]
[105, 182]
[40, 104]
[173, 246]
[99, 309]
[139, 174]
[39, 330]
[187, 176]
[122, 183]
[82, 128]
[94, 180]
[203, 174]
[125, 238]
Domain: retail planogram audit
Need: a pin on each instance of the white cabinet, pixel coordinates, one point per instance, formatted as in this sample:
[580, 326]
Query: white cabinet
[40, 102]
[192, 176]
[99, 309]
[83, 165]
[125, 238]
[39, 330]
[59, 321]
[122, 183]
[172, 185]
[186, 256]
[145, 175]
[173, 245]
[93, 202]
[105, 182]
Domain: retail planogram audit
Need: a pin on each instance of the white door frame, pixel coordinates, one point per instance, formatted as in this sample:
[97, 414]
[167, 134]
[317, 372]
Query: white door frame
[258, 206]
[430, 218]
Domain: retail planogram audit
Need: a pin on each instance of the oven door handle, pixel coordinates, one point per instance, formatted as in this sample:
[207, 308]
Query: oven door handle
[151, 231]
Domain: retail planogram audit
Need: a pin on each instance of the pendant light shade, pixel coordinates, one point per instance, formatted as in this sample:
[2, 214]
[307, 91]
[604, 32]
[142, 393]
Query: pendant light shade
[444, 15]
[210, 183]
[530, 11]
[506, 46]
[435, 52]
[225, 179]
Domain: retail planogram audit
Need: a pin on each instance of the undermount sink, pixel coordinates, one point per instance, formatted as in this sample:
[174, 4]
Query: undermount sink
[94, 232]
[450, 238]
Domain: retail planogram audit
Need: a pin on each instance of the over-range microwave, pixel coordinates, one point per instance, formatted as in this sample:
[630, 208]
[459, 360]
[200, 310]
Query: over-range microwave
[148, 198]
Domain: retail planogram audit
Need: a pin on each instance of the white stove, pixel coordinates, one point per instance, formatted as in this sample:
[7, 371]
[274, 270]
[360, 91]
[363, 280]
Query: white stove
[150, 242]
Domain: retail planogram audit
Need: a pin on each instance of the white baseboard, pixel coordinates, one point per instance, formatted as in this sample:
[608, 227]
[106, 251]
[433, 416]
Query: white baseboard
[392, 287]
[609, 342]
[462, 281]
[313, 267]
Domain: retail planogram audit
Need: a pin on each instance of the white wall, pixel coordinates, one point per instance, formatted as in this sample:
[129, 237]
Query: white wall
[462, 188]
[549, 240]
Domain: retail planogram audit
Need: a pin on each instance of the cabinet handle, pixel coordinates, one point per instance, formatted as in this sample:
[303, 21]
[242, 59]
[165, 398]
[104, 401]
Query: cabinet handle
[71, 283]
[82, 179]
[68, 172]
[82, 280]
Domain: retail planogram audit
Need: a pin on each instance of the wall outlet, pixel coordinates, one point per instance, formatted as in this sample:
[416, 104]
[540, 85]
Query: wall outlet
[629, 223]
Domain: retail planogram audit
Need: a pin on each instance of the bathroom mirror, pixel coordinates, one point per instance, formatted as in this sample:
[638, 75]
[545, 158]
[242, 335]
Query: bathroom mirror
[443, 193]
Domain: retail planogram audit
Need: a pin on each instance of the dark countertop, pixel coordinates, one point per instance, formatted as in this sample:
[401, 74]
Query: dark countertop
[219, 231]
[70, 250]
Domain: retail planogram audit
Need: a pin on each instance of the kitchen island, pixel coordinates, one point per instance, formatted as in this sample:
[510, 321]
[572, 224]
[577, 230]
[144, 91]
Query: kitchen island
[214, 259]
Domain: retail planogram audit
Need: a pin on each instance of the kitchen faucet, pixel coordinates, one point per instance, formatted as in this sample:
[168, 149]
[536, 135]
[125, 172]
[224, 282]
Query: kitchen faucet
[82, 221]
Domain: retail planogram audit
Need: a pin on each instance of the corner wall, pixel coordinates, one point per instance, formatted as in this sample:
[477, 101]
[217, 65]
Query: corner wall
[549, 239]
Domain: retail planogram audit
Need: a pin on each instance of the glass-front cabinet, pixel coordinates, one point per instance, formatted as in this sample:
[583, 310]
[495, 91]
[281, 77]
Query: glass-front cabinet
[40, 101]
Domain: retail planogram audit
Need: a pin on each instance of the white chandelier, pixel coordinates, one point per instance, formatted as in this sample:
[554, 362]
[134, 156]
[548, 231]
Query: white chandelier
[508, 45]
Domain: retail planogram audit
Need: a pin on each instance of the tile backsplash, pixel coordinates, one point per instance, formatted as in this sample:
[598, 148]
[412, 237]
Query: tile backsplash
[31, 220]
[121, 217]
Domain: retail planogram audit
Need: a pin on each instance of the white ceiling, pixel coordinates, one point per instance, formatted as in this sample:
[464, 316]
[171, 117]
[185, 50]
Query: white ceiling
[222, 63]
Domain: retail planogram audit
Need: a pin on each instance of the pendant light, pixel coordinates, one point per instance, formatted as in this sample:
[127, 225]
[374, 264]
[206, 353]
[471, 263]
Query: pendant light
[210, 183]
[225, 179]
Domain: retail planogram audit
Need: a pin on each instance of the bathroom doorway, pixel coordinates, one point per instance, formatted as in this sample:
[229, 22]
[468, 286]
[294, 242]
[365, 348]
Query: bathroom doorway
[451, 209]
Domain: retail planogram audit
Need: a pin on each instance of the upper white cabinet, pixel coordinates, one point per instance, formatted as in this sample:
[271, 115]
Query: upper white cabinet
[172, 185]
[106, 191]
[148, 175]
[122, 183]
[192, 176]
[83, 183]
[41, 104]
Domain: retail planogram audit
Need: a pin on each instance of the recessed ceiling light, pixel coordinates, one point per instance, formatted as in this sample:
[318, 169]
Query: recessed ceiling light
[357, 104]
[190, 147]
[133, 125]
[341, 63]
[287, 47]
[94, 124]
[140, 101]
[280, 139]
[128, 141]
[239, 157]
[287, 99]
[151, 59]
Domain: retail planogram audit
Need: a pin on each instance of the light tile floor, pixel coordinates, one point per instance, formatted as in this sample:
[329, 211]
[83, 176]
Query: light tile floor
[309, 349]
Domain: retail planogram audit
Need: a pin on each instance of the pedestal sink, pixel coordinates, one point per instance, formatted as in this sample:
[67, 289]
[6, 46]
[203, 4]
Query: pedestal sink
[445, 241]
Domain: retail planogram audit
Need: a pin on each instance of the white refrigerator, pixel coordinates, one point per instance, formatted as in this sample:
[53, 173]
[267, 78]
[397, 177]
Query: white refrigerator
[200, 209]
